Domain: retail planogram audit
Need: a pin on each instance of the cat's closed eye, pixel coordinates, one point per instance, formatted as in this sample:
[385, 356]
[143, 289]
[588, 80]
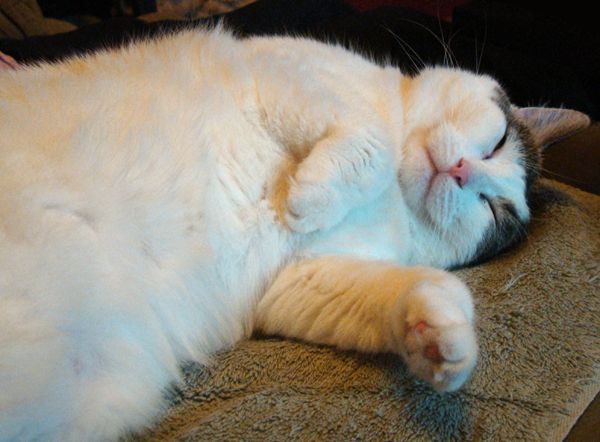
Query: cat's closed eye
[498, 146]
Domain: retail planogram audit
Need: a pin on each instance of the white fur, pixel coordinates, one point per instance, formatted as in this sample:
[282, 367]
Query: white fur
[138, 228]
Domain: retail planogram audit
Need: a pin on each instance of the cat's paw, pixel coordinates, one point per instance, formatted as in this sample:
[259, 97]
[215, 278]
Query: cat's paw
[312, 206]
[439, 344]
[344, 170]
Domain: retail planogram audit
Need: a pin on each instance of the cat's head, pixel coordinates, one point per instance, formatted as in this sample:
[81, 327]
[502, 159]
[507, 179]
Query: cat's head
[470, 159]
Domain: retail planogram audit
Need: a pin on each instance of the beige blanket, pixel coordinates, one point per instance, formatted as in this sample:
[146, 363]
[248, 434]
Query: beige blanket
[539, 326]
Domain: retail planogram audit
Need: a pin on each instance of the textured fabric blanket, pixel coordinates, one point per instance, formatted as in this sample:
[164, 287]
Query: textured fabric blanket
[538, 320]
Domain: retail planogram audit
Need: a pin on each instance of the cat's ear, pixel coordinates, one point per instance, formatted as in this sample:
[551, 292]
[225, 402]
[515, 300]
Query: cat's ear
[549, 125]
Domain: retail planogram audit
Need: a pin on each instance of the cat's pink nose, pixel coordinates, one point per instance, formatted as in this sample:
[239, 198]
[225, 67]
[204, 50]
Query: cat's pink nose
[461, 172]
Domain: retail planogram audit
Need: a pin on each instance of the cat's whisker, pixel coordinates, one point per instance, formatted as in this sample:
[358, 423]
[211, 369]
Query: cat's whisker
[479, 56]
[404, 45]
[452, 36]
[476, 57]
[449, 58]
[442, 42]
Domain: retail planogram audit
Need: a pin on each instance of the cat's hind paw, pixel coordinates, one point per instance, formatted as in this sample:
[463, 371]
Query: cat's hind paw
[439, 341]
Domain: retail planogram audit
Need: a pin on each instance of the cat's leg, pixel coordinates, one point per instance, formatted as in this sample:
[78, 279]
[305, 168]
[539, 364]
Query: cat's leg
[423, 314]
[346, 168]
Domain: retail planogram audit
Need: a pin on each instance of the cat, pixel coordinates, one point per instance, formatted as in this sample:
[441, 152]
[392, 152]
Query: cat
[161, 201]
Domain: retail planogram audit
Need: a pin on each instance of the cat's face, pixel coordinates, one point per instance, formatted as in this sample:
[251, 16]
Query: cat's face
[467, 163]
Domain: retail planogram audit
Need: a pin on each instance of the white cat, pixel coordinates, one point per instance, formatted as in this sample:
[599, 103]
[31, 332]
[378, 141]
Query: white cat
[159, 202]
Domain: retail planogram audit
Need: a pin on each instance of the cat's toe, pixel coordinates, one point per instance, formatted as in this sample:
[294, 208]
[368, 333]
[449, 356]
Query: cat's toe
[311, 208]
[439, 343]
[444, 356]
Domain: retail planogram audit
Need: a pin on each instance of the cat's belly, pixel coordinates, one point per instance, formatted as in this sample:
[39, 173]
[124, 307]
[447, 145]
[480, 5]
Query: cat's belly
[227, 246]
[178, 254]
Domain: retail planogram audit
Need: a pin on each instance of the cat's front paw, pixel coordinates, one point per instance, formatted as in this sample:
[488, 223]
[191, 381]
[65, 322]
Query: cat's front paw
[346, 169]
[439, 344]
[312, 206]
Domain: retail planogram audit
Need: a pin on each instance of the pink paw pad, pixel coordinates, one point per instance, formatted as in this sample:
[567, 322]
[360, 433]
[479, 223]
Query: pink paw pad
[421, 327]
[431, 351]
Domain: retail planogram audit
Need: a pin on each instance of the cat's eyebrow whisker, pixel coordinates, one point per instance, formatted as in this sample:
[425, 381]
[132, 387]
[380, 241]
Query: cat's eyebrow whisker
[448, 54]
[446, 57]
[452, 36]
[479, 59]
[447, 50]
[404, 45]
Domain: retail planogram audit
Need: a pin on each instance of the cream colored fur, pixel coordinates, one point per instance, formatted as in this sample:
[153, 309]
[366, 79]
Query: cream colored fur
[159, 202]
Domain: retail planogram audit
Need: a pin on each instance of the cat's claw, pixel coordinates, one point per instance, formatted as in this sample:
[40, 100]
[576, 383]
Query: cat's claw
[439, 342]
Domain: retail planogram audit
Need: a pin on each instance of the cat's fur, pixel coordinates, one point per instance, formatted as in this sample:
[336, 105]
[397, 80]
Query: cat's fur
[159, 202]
